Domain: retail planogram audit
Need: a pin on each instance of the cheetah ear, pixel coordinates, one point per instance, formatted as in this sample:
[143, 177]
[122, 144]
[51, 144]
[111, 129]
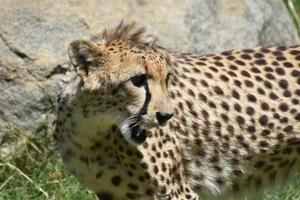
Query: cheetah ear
[83, 55]
[89, 61]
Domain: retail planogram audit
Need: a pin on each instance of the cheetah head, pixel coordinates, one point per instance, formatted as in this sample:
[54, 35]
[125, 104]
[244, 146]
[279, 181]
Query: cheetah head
[123, 65]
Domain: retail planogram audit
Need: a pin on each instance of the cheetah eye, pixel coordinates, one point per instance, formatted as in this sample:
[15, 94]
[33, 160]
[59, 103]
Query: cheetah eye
[139, 80]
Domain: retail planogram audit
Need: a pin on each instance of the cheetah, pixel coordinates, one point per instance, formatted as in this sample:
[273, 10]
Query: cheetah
[138, 121]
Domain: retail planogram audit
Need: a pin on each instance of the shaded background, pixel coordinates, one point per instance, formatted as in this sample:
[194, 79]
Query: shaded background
[34, 36]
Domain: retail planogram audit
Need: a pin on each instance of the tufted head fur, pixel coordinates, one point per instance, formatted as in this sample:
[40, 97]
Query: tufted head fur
[123, 62]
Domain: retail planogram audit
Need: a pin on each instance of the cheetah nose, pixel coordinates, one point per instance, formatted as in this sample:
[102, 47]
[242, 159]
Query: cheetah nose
[163, 117]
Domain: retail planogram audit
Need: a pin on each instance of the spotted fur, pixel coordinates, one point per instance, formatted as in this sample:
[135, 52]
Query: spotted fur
[235, 129]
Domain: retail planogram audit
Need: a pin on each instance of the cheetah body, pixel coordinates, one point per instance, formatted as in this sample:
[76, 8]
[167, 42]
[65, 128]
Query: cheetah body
[235, 130]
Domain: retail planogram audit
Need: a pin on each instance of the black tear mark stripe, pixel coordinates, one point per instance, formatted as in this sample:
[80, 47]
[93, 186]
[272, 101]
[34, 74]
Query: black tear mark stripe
[143, 110]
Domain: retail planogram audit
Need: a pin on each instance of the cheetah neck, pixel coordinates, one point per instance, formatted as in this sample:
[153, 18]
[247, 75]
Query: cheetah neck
[87, 116]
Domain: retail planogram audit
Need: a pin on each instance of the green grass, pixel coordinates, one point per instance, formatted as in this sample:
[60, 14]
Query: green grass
[294, 9]
[49, 181]
[290, 192]
[37, 173]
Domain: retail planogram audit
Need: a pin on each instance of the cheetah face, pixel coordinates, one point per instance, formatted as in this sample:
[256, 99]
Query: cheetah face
[136, 73]
[150, 106]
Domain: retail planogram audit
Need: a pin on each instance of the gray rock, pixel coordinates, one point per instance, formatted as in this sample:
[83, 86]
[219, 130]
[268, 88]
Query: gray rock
[34, 36]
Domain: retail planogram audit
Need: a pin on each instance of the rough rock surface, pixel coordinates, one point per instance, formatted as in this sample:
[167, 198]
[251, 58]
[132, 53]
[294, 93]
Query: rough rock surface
[34, 36]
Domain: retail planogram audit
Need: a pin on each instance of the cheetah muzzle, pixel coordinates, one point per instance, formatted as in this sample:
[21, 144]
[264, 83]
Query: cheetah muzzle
[133, 131]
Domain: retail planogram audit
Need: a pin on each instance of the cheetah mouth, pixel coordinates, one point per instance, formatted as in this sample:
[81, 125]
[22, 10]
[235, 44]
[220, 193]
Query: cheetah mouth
[133, 130]
[138, 134]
